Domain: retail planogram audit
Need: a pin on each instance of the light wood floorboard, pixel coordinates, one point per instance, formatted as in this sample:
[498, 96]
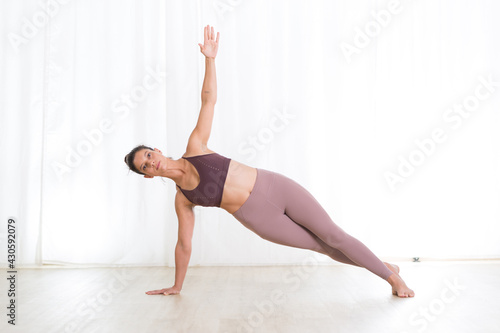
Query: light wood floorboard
[450, 297]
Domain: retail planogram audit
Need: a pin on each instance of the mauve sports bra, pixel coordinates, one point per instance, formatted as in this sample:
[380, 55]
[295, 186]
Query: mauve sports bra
[212, 169]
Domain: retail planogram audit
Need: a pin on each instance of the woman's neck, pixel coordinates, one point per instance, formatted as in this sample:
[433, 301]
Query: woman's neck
[176, 170]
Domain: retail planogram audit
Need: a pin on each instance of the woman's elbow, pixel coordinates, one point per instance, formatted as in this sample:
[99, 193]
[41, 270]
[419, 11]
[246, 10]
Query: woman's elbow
[208, 98]
[184, 246]
[208, 101]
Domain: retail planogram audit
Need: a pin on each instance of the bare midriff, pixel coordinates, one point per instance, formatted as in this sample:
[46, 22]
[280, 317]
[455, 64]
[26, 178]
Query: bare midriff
[239, 184]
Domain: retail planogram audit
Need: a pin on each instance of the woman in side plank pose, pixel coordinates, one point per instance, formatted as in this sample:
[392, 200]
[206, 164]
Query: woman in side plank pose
[273, 206]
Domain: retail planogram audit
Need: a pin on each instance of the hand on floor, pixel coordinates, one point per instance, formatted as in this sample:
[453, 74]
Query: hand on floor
[165, 291]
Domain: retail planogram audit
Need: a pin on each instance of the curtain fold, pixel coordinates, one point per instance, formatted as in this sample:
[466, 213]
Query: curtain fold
[387, 111]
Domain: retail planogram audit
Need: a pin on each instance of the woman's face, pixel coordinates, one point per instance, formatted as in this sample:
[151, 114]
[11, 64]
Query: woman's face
[150, 162]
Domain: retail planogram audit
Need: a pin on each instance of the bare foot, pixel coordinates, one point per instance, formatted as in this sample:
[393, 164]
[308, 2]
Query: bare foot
[399, 287]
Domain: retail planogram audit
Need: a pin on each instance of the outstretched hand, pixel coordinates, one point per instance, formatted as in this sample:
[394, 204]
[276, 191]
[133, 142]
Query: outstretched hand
[210, 44]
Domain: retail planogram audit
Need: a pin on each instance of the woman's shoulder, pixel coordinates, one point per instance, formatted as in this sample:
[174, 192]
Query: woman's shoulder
[197, 152]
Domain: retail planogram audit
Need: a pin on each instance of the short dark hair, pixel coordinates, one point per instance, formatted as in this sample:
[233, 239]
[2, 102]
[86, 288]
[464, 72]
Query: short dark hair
[129, 158]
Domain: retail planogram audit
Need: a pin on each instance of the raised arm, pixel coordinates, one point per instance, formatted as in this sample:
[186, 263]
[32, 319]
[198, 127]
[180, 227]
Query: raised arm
[201, 133]
[209, 50]
[185, 215]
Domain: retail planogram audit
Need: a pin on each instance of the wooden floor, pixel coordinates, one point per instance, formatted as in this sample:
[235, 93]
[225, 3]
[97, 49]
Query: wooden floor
[450, 297]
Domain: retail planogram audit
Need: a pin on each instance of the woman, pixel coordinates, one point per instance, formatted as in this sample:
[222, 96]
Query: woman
[271, 205]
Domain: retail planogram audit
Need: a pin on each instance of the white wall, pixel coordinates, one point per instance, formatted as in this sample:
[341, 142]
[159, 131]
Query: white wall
[351, 108]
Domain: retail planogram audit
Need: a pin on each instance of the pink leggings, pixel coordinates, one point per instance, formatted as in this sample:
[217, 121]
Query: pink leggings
[283, 212]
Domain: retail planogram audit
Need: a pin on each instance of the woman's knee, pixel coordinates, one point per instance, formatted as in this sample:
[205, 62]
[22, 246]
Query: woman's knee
[336, 239]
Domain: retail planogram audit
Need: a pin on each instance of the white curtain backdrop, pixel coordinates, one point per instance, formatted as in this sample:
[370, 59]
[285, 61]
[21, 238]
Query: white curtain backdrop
[387, 111]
